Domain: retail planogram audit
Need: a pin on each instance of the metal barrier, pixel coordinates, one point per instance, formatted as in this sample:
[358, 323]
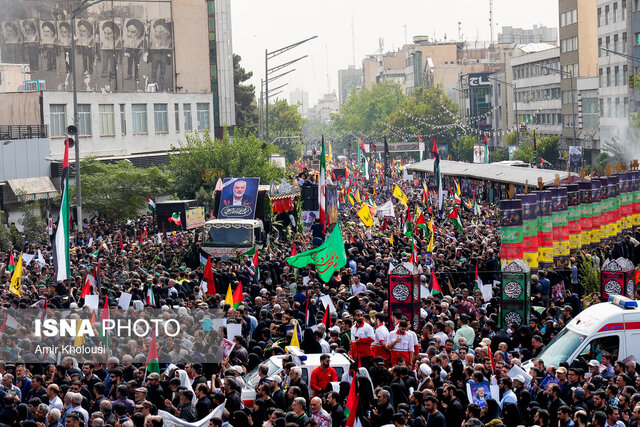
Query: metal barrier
[11, 132]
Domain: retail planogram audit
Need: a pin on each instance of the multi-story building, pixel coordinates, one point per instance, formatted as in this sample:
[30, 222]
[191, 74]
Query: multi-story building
[326, 105]
[536, 34]
[347, 79]
[578, 59]
[537, 89]
[148, 72]
[616, 98]
[300, 98]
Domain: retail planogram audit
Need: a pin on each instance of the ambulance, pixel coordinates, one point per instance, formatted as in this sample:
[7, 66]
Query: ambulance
[609, 327]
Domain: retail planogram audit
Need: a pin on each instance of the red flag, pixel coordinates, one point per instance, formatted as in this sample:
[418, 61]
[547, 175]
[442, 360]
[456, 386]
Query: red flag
[352, 403]
[238, 296]
[435, 286]
[420, 220]
[121, 245]
[208, 276]
[351, 240]
[361, 144]
[86, 288]
[435, 146]
[486, 142]
[384, 225]
[419, 139]
[493, 362]
[140, 236]
[307, 313]
[4, 322]
[326, 319]
[294, 252]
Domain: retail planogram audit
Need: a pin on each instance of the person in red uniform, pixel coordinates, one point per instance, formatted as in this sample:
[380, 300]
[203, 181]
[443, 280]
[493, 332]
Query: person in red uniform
[323, 376]
[401, 344]
[362, 335]
[379, 345]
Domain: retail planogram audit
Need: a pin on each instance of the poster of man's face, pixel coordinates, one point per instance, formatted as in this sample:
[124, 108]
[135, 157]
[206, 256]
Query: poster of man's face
[134, 33]
[110, 35]
[48, 32]
[30, 31]
[160, 34]
[64, 33]
[238, 198]
[11, 32]
[85, 32]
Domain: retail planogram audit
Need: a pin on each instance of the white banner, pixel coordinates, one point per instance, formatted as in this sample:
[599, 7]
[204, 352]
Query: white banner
[171, 421]
[386, 209]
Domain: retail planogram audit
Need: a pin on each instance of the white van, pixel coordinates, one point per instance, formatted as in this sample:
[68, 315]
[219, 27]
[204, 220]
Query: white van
[609, 327]
[308, 362]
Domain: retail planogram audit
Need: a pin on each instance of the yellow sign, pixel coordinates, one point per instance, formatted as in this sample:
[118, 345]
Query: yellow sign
[195, 217]
[365, 215]
[399, 194]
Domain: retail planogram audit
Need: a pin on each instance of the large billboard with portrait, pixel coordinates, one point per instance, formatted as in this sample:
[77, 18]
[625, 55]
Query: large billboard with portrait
[238, 198]
[122, 46]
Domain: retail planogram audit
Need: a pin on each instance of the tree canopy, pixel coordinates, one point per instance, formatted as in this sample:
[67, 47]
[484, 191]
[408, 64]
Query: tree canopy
[286, 121]
[117, 191]
[240, 155]
[245, 97]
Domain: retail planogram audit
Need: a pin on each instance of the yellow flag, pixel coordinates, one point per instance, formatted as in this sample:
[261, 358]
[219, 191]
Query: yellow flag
[228, 299]
[16, 280]
[353, 202]
[432, 230]
[329, 152]
[365, 215]
[358, 199]
[79, 341]
[295, 342]
[391, 239]
[399, 194]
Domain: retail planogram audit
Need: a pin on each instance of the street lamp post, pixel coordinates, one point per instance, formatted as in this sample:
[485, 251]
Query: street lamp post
[84, 5]
[573, 104]
[270, 55]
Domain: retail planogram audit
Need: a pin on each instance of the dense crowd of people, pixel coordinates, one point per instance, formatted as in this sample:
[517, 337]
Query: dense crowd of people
[403, 376]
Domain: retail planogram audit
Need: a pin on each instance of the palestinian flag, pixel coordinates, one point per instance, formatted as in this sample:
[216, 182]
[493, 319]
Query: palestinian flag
[238, 297]
[12, 263]
[151, 204]
[457, 198]
[351, 408]
[175, 218]
[326, 319]
[89, 285]
[61, 242]
[435, 286]
[436, 172]
[408, 225]
[361, 142]
[420, 222]
[255, 265]
[455, 218]
[477, 281]
[384, 225]
[152, 359]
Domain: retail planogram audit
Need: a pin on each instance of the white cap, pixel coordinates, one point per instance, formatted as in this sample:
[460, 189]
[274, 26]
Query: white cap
[425, 369]
[519, 378]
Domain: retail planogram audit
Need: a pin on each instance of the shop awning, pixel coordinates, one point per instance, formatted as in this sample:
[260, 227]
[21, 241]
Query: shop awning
[37, 188]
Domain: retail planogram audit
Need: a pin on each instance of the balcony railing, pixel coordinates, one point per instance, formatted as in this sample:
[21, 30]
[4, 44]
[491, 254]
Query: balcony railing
[9, 132]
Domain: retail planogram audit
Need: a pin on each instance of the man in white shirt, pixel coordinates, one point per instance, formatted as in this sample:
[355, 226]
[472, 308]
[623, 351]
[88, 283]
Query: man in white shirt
[362, 336]
[356, 286]
[54, 400]
[381, 335]
[401, 344]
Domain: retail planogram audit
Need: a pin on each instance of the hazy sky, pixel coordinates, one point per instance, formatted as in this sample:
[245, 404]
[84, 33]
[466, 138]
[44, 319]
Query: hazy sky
[260, 25]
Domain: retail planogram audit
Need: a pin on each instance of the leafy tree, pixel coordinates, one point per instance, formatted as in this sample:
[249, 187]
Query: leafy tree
[286, 121]
[240, 155]
[426, 112]
[33, 225]
[5, 234]
[118, 191]
[612, 152]
[366, 111]
[245, 97]
[500, 154]
[547, 148]
[463, 150]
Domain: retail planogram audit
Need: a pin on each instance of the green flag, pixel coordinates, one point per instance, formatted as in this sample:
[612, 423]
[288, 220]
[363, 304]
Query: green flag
[327, 257]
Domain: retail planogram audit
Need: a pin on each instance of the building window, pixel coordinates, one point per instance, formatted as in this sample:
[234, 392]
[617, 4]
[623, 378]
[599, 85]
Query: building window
[608, 77]
[599, 16]
[123, 120]
[58, 118]
[203, 115]
[188, 123]
[107, 120]
[600, 46]
[626, 107]
[176, 108]
[625, 75]
[618, 108]
[160, 118]
[601, 78]
[84, 120]
[615, 13]
[607, 15]
[617, 75]
[139, 116]
[615, 43]
[624, 9]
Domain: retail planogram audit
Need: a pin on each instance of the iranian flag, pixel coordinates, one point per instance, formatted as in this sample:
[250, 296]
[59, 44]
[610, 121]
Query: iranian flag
[321, 186]
[151, 204]
[61, 242]
[454, 217]
[152, 359]
[151, 298]
[175, 218]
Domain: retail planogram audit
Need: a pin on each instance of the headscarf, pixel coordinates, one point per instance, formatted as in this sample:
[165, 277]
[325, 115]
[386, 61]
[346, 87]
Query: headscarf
[185, 382]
